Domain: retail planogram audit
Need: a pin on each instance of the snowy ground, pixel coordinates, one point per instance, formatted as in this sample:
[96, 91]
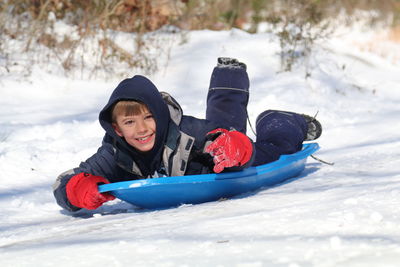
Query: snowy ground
[347, 214]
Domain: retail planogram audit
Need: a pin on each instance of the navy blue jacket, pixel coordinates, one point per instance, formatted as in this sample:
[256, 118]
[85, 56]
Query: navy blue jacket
[178, 149]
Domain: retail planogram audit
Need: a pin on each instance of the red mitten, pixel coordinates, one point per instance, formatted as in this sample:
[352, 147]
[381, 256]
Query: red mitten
[82, 191]
[231, 148]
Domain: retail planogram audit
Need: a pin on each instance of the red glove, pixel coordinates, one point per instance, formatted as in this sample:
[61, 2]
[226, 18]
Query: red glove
[82, 191]
[231, 148]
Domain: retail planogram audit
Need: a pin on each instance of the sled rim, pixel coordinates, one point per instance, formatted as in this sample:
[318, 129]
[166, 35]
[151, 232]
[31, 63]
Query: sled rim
[284, 160]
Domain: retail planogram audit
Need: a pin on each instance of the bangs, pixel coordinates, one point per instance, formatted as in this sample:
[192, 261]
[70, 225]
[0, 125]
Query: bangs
[128, 108]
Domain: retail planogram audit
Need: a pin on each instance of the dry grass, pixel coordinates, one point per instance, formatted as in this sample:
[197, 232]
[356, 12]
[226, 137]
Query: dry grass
[385, 43]
[31, 23]
[394, 34]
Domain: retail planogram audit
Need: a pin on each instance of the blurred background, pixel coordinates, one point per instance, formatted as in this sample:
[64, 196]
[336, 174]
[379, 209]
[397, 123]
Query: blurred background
[69, 36]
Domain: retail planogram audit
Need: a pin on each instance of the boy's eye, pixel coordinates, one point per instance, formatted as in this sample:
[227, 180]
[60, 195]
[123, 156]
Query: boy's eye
[128, 122]
[150, 116]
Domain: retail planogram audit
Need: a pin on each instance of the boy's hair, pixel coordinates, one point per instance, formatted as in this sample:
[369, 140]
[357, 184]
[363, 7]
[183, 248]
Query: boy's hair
[127, 108]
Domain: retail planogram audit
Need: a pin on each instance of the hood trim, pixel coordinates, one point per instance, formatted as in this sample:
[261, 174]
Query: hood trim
[175, 110]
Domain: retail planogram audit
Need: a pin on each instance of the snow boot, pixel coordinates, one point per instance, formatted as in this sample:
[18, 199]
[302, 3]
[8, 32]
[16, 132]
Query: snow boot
[314, 128]
[228, 62]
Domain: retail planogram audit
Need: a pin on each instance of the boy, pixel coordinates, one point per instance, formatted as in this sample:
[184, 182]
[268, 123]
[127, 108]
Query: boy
[148, 136]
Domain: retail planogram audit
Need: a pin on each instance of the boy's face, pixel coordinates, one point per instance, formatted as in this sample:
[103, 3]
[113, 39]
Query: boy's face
[138, 130]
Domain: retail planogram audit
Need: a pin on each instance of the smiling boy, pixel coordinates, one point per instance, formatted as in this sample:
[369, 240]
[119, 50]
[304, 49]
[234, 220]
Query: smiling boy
[148, 136]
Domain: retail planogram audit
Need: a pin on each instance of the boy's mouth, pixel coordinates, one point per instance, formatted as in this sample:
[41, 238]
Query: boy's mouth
[145, 139]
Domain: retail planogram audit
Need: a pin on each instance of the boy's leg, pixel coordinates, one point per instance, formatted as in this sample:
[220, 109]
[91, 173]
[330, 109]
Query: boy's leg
[278, 133]
[228, 94]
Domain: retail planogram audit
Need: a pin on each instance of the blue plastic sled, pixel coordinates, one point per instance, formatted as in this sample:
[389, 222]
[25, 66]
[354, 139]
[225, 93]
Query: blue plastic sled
[193, 189]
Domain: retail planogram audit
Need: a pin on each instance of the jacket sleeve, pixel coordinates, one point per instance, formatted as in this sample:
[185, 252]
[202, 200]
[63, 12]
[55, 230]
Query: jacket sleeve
[102, 163]
[199, 129]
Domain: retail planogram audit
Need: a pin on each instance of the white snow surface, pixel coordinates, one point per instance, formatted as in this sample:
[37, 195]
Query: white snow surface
[347, 214]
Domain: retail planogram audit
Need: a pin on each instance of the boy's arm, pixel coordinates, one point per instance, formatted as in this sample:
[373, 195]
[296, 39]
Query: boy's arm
[205, 130]
[101, 164]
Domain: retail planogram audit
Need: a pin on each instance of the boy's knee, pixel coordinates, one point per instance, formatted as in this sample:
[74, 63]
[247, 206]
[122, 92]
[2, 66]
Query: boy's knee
[275, 124]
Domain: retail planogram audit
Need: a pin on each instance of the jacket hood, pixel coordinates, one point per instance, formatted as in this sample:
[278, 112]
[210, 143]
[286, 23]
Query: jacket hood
[139, 88]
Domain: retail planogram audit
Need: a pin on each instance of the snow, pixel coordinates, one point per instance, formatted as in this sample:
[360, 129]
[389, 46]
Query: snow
[347, 214]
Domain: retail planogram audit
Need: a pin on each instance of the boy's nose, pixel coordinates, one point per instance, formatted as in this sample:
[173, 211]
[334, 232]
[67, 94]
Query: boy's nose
[141, 127]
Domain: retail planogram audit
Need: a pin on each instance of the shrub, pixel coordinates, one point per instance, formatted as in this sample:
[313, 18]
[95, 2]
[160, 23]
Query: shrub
[32, 27]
